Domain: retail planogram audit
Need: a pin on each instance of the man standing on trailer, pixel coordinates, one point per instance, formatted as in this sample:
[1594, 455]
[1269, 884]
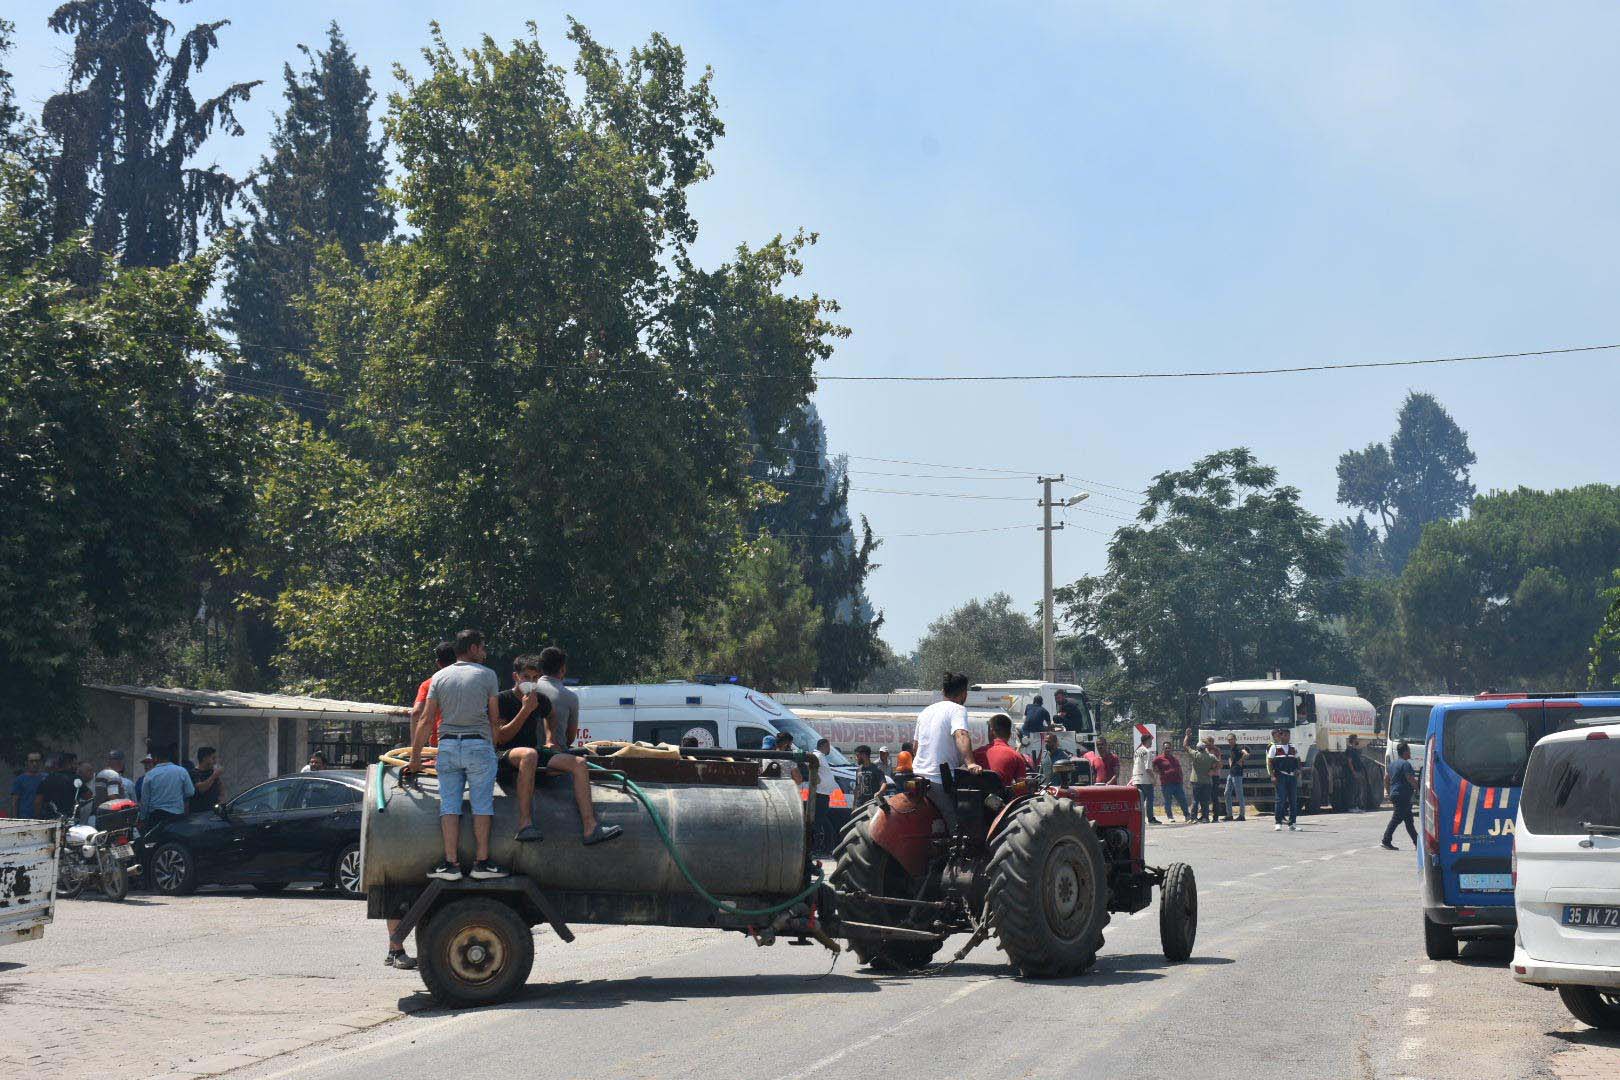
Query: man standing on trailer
[1037, 721]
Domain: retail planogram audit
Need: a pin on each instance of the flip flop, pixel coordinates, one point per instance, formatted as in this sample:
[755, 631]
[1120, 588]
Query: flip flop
[602, 834]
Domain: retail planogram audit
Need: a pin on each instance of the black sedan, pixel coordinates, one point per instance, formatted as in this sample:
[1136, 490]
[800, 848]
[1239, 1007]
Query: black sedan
[294, 828]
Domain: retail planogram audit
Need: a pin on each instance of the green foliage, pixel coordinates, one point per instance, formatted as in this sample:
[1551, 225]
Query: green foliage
[549, 413]
[893, 671]
[812, 518]
[1420, 477]
[986, 640]
[120, 467]
[321, 183]
[1513, 596]
[1227, 575]
[762, 627]
[1603, 671]
[124, 129]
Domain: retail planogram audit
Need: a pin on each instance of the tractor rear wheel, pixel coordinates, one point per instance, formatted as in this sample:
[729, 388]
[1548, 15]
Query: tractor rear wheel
[860, 865]
[1047, 895]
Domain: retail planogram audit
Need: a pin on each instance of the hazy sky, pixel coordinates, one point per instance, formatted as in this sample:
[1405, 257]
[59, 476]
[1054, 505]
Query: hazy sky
[1120, 187]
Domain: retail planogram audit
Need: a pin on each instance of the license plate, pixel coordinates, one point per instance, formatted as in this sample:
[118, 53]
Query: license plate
[1485, 882]
[1588, 915]
[124, 851]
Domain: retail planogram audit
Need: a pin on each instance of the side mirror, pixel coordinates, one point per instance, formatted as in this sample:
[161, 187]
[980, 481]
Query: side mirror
[222, 813]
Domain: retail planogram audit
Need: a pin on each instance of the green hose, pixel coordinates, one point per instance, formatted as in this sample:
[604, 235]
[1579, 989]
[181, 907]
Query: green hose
[680, 864]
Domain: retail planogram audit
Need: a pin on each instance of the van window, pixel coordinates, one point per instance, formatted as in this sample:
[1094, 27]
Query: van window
[675, 727]
[750, 738]
[1488, 747]
[1410, 722]
[1571, 782]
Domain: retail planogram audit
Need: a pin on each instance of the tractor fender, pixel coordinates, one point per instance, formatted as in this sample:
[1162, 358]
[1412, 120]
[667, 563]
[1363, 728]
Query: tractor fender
[1006, 812]
[906, 832]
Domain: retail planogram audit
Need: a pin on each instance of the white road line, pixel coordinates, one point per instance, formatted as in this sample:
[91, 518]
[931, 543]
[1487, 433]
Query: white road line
[1352, 851]
[1426, 969]
[1421, 990]
[1417, 1016]
[1325, 858]
[833, 1059]
[1284, 866]
[1260, 873]
[410, 1033]
[1410, 1048]
[1138, 915]
[1222, 884]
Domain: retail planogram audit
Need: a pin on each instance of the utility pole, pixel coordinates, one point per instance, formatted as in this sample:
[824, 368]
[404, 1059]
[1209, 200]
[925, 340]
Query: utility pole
[1048, 644]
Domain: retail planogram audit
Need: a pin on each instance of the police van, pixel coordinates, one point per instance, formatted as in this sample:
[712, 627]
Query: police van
[1474, 758]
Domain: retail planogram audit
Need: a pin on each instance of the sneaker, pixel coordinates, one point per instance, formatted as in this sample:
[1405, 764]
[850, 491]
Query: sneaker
[1277, 827]
[446, 871]
[484, 869]
[529, 835]
[1387, 846]
[1241, 817]
[1292, 827]
[400, 961]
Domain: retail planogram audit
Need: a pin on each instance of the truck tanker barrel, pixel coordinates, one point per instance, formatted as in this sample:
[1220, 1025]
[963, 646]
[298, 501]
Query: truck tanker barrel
[739, 826]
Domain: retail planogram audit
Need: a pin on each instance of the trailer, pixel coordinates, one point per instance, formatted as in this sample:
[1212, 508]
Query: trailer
[29, 851]
[718, 839]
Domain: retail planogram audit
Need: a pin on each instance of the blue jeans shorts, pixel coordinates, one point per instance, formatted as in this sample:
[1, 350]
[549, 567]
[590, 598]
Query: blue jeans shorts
[468, 763]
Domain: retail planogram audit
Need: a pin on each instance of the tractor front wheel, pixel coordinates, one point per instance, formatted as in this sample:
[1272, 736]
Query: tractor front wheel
[1178, 912]
[1048, 894]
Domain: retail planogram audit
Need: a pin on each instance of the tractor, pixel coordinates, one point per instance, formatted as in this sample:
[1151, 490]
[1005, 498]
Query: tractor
[1042, 869]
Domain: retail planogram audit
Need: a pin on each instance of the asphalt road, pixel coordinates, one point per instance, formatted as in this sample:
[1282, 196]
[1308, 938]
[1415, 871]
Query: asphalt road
[1308, 963]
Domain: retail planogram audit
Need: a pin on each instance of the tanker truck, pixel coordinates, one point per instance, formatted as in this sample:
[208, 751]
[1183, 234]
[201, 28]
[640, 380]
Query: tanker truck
[1321, 717]
[719, 839]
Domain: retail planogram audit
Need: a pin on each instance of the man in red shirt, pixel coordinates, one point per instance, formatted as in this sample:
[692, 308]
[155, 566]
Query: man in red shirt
[1170, 780]
[445, 654]
[1104, 765]
[999, 756]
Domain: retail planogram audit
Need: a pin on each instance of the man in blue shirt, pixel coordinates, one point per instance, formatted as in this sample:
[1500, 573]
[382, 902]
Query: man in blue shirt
[1036, 722]
[25, 787]
[165, 789]
[1401, 784]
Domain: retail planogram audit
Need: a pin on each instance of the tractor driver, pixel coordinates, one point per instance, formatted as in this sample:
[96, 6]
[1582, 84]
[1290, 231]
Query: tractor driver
[998, 755]
[942, 739]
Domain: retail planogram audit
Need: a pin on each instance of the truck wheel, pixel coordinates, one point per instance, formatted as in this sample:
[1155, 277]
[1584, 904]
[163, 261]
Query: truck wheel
[1316, 800]
[174, 871]
[1373, 789]
[1439, 943]
[859, 864]
[475, 951]
[1048, 893]
[1178, 912]
[1591, 1006]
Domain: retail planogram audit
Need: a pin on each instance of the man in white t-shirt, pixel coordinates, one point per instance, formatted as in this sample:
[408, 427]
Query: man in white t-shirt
[942, 739]
[826, 786]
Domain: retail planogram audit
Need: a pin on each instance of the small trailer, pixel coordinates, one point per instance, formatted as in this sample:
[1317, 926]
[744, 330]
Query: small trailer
[29, 851]
[719, 839]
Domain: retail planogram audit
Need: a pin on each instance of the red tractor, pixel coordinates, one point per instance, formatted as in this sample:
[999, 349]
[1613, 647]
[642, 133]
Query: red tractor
[1040, 868]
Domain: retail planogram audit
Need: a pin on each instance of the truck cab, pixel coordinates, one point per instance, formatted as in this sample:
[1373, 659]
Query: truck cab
[1321, 718]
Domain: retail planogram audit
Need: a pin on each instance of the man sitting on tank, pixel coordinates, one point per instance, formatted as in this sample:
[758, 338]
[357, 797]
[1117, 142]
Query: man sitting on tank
[517, 738]
[562, 727]
[998, 755]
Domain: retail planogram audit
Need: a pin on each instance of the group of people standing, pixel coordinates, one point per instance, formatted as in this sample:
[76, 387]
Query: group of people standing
[59, 785]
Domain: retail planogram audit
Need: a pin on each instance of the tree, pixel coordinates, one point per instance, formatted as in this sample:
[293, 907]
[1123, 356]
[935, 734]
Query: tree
[1603, 672]
[121, 467]
[894, 671]
[549, 412]
[125, 128]
[1226, 575]
[320, 184]
[812, 518]
[987, 640]
[1420, 477]
[1514, 595]
[762, 627]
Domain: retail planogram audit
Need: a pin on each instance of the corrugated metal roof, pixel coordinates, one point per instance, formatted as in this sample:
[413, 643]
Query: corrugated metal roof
[224, 702]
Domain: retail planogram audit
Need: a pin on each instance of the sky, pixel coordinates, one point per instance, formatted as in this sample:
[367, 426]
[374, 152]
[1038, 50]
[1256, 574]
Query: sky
[1116, 187]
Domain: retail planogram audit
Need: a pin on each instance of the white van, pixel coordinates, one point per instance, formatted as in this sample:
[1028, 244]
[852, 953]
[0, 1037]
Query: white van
[1566, 869]
[725, 716]
[1409, 720]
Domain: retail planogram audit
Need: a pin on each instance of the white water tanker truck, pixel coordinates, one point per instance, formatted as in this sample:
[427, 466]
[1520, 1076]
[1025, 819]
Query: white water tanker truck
[719, 839]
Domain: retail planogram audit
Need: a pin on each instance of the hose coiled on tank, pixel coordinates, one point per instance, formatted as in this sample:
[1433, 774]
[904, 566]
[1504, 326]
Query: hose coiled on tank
[399, 757]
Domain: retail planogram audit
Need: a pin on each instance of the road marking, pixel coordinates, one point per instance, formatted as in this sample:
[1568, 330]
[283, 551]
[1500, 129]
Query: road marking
[1222, 884]
[1410, 1048]
[1417, 1016]
[1260, 873]
[1284, 866]
[410, 1034]
[1426, 969]
[1352, 851]
[1421, 990]
[1138, 915]
[833, 1059]
[1325, 858]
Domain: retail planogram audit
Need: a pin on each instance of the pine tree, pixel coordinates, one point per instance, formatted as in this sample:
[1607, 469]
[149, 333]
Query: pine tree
[321, 184]
[813, 519]
[125, 128]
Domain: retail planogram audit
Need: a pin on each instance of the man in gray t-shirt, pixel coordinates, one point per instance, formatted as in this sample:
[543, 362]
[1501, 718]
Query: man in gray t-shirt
[562, 727]
[465, 696]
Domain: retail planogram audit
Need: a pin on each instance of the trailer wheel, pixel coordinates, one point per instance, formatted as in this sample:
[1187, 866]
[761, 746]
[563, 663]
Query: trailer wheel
[474, 951]
[858, 863]
[1178, 912]
[1048, 893]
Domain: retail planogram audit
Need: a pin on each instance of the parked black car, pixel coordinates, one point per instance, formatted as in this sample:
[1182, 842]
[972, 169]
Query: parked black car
[304, 827]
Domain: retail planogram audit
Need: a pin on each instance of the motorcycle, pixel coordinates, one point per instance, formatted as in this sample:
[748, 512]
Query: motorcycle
[99, 855]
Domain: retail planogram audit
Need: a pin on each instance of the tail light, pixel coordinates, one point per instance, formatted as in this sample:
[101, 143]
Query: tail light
[1431, 804]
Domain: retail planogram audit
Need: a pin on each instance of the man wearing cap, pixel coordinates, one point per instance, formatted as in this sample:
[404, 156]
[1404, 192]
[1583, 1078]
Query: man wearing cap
[885, 763]
[25, 787]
